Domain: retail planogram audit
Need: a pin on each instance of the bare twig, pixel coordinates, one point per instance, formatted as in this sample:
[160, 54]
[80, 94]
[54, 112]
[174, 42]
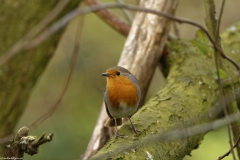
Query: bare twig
[19, 46]
[213, 26]
[225, 105]
[55, 106]
[61, 23]
[229, 125]
[234, 146]
[220, 18]
[146, 39]
[72, 66]
[111, 19]
[126, 12]
[25, 143]
[48, 19]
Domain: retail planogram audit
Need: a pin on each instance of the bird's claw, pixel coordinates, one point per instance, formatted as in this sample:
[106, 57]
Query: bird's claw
[120, 135]
[134, 130]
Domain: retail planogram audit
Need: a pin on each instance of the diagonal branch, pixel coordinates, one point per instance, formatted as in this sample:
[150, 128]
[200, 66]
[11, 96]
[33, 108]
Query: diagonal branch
[26, 45]
[213, 25]
[191, 93]
[140, 55]
[54, 107]
[18, 46]
[24, 143]
[234, 146]
[127, 14]
[110, 18]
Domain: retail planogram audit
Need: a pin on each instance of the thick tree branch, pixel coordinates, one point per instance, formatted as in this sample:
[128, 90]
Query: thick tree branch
[62, 23]
[140, 55]
[189, 97]
[19, 75]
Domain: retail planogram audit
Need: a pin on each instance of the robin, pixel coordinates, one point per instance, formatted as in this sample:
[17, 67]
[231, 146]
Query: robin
[122, 96]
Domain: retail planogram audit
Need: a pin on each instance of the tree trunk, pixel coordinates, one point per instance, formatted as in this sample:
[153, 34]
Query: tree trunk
[189, 97]
[140, 55]
[19, 75]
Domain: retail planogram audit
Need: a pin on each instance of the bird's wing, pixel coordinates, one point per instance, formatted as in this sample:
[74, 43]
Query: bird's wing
[111, 121]
[109, 114]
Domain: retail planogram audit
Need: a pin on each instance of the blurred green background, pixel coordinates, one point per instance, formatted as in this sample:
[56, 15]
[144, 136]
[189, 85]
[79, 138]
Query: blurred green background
[101, 46]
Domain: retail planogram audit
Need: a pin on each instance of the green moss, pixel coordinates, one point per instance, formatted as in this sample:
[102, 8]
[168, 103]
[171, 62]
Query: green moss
[19, 75]
[192, 94]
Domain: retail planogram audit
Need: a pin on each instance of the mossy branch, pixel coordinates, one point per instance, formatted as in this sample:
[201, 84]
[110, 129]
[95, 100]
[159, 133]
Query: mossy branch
[20, 74]
[25, 143]
[189, 97]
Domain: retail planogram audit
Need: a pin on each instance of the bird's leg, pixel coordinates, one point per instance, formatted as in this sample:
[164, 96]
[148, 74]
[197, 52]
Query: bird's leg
[117, 134]
[133, 127]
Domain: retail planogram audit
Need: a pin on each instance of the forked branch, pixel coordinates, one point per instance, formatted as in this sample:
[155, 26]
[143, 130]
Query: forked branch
[23, 143]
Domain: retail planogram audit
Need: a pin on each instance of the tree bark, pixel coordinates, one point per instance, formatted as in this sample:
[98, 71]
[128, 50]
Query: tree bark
[187, 98]
[24, 143]
[109, 18]
[19, 75]
[140, 56]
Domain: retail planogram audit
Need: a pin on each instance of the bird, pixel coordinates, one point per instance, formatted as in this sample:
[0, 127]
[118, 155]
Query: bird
[122, 96]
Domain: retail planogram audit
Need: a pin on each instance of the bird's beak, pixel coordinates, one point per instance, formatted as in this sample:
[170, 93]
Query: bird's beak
[105, 74]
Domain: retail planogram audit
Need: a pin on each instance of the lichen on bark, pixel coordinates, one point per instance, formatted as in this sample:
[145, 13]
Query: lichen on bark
[19, 75]
[187, 98]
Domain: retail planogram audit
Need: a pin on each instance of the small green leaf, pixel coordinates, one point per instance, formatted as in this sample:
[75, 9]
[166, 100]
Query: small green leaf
[222, 74]
[202, 43]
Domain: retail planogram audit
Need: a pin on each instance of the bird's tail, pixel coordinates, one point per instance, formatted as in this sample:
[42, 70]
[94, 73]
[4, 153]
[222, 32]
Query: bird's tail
[111, 122]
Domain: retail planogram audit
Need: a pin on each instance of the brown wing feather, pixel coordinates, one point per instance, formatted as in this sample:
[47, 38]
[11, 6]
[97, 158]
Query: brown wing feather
[108, 110]
[111, 121]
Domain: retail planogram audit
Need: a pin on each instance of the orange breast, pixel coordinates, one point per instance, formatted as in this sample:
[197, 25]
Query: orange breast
[121, 90]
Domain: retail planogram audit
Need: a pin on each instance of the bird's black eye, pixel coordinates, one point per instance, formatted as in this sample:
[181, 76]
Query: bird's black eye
[118, 73]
